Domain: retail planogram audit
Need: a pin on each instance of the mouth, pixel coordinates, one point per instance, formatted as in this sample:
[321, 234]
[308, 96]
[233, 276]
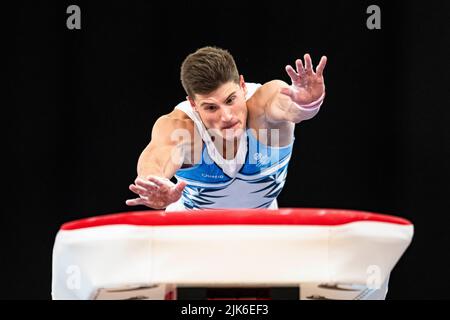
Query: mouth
[231, 126]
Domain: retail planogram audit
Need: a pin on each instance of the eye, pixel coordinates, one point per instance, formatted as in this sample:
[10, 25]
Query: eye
[210, 108]
[231, 99]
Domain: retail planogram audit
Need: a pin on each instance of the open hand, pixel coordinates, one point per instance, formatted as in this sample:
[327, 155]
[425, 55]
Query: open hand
[307, 86]
[155, 192]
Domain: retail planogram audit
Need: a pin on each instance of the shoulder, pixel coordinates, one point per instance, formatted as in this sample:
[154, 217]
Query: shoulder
[175, 123]
[174, 120]
[257, 117]
[176, 128]
[251, 89]
[263, 95]
[269, 89]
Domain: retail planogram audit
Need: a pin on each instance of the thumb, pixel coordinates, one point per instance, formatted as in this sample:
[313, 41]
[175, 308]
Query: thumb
[287, 91]
[180, 186]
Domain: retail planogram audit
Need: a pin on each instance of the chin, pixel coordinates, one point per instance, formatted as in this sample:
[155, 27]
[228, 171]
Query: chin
[231, 134]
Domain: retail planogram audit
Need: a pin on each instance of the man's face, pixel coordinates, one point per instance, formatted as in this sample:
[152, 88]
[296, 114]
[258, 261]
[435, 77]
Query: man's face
[223, 111]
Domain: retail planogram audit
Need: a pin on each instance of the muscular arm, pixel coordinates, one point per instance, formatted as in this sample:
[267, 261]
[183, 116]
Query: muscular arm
[281, 108]
[299, 101]
[164, 154]
[158, 162]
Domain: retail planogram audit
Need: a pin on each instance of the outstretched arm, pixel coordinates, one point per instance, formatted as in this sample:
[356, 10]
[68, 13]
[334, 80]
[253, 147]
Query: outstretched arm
[302, 99]
[157, 164]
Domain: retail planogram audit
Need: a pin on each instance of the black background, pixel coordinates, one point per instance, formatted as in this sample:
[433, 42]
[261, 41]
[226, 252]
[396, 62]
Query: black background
[84, 102]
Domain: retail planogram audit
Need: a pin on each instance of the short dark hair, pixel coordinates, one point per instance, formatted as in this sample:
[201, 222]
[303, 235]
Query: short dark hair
[206, 69]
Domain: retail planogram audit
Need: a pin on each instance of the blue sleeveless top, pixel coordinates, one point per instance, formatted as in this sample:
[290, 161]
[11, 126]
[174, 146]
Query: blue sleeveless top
[256, 185]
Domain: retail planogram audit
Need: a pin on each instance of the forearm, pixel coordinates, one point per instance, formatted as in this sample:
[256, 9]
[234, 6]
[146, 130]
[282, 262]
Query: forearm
[297, 113]
[281, 108]
[161, 162]
[153, 186]
[302, 99]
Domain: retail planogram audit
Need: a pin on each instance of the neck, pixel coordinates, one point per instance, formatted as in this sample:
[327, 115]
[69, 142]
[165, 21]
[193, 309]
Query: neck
[227, 148]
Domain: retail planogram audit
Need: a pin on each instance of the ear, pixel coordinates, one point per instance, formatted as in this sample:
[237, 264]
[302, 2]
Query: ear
[192, 102]
[242, 84]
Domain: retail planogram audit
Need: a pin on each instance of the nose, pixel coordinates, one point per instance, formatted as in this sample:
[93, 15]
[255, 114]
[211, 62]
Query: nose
[227, 115]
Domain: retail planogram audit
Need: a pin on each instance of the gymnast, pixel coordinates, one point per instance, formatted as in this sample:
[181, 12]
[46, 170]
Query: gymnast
[228, 145]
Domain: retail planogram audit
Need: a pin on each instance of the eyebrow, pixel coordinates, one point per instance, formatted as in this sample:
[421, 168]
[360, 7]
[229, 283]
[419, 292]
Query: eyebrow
[206, 103]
